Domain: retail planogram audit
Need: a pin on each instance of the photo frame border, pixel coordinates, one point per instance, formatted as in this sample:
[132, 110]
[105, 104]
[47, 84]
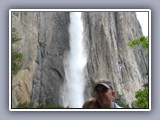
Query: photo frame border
[80, 10]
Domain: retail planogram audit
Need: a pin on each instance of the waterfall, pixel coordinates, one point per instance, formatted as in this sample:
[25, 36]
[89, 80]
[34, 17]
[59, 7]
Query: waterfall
[75, 63]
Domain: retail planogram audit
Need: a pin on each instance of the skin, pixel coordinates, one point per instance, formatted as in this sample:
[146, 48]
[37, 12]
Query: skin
[104, 96]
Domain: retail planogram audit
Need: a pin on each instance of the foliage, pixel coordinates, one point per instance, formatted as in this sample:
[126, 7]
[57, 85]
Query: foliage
[49, 106]
[16, 60]
[142, 98]
[143, 41]
[142, 94]
[25, 105]
[16, 57]
[15, 37]
[40, 106]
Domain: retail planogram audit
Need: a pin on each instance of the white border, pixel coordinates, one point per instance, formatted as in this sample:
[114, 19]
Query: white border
[149, 34]
[48, 10]
[10, 107]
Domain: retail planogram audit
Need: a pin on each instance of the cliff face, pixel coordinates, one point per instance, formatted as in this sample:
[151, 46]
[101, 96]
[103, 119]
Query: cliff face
[45, 40]
[109, 55]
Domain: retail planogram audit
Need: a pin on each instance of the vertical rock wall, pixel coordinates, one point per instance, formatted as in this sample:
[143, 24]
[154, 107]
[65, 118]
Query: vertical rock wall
[44, 40]
[109, 55]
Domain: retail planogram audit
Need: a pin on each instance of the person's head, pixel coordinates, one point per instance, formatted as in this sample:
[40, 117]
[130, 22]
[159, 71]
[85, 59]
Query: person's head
[104, 93]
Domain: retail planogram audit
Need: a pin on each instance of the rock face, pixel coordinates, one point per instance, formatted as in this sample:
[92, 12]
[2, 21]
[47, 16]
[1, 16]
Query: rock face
[45, 40]
[109, 55]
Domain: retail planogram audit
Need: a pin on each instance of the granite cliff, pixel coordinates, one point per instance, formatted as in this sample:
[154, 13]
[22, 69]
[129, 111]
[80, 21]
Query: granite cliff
[45, 41]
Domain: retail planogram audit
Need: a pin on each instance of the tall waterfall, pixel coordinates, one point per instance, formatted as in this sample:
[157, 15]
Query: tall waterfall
[76, 62]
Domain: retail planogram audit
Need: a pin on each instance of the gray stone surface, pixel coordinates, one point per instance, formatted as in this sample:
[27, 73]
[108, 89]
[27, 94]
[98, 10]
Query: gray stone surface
[110, 57]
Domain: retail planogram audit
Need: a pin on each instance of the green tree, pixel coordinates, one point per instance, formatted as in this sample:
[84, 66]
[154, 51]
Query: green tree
[16, 57]
[141, 98]
[142, 94]
[142, 41]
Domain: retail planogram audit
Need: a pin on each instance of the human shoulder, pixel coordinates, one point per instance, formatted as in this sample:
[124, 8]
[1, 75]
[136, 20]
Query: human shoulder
[91, 103]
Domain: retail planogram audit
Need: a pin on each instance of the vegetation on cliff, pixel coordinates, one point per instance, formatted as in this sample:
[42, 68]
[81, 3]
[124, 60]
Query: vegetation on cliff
[40, 106]
[142, 94]
[16, 57]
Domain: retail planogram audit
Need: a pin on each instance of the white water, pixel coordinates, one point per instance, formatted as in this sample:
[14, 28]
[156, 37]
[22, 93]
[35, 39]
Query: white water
[76, 62]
